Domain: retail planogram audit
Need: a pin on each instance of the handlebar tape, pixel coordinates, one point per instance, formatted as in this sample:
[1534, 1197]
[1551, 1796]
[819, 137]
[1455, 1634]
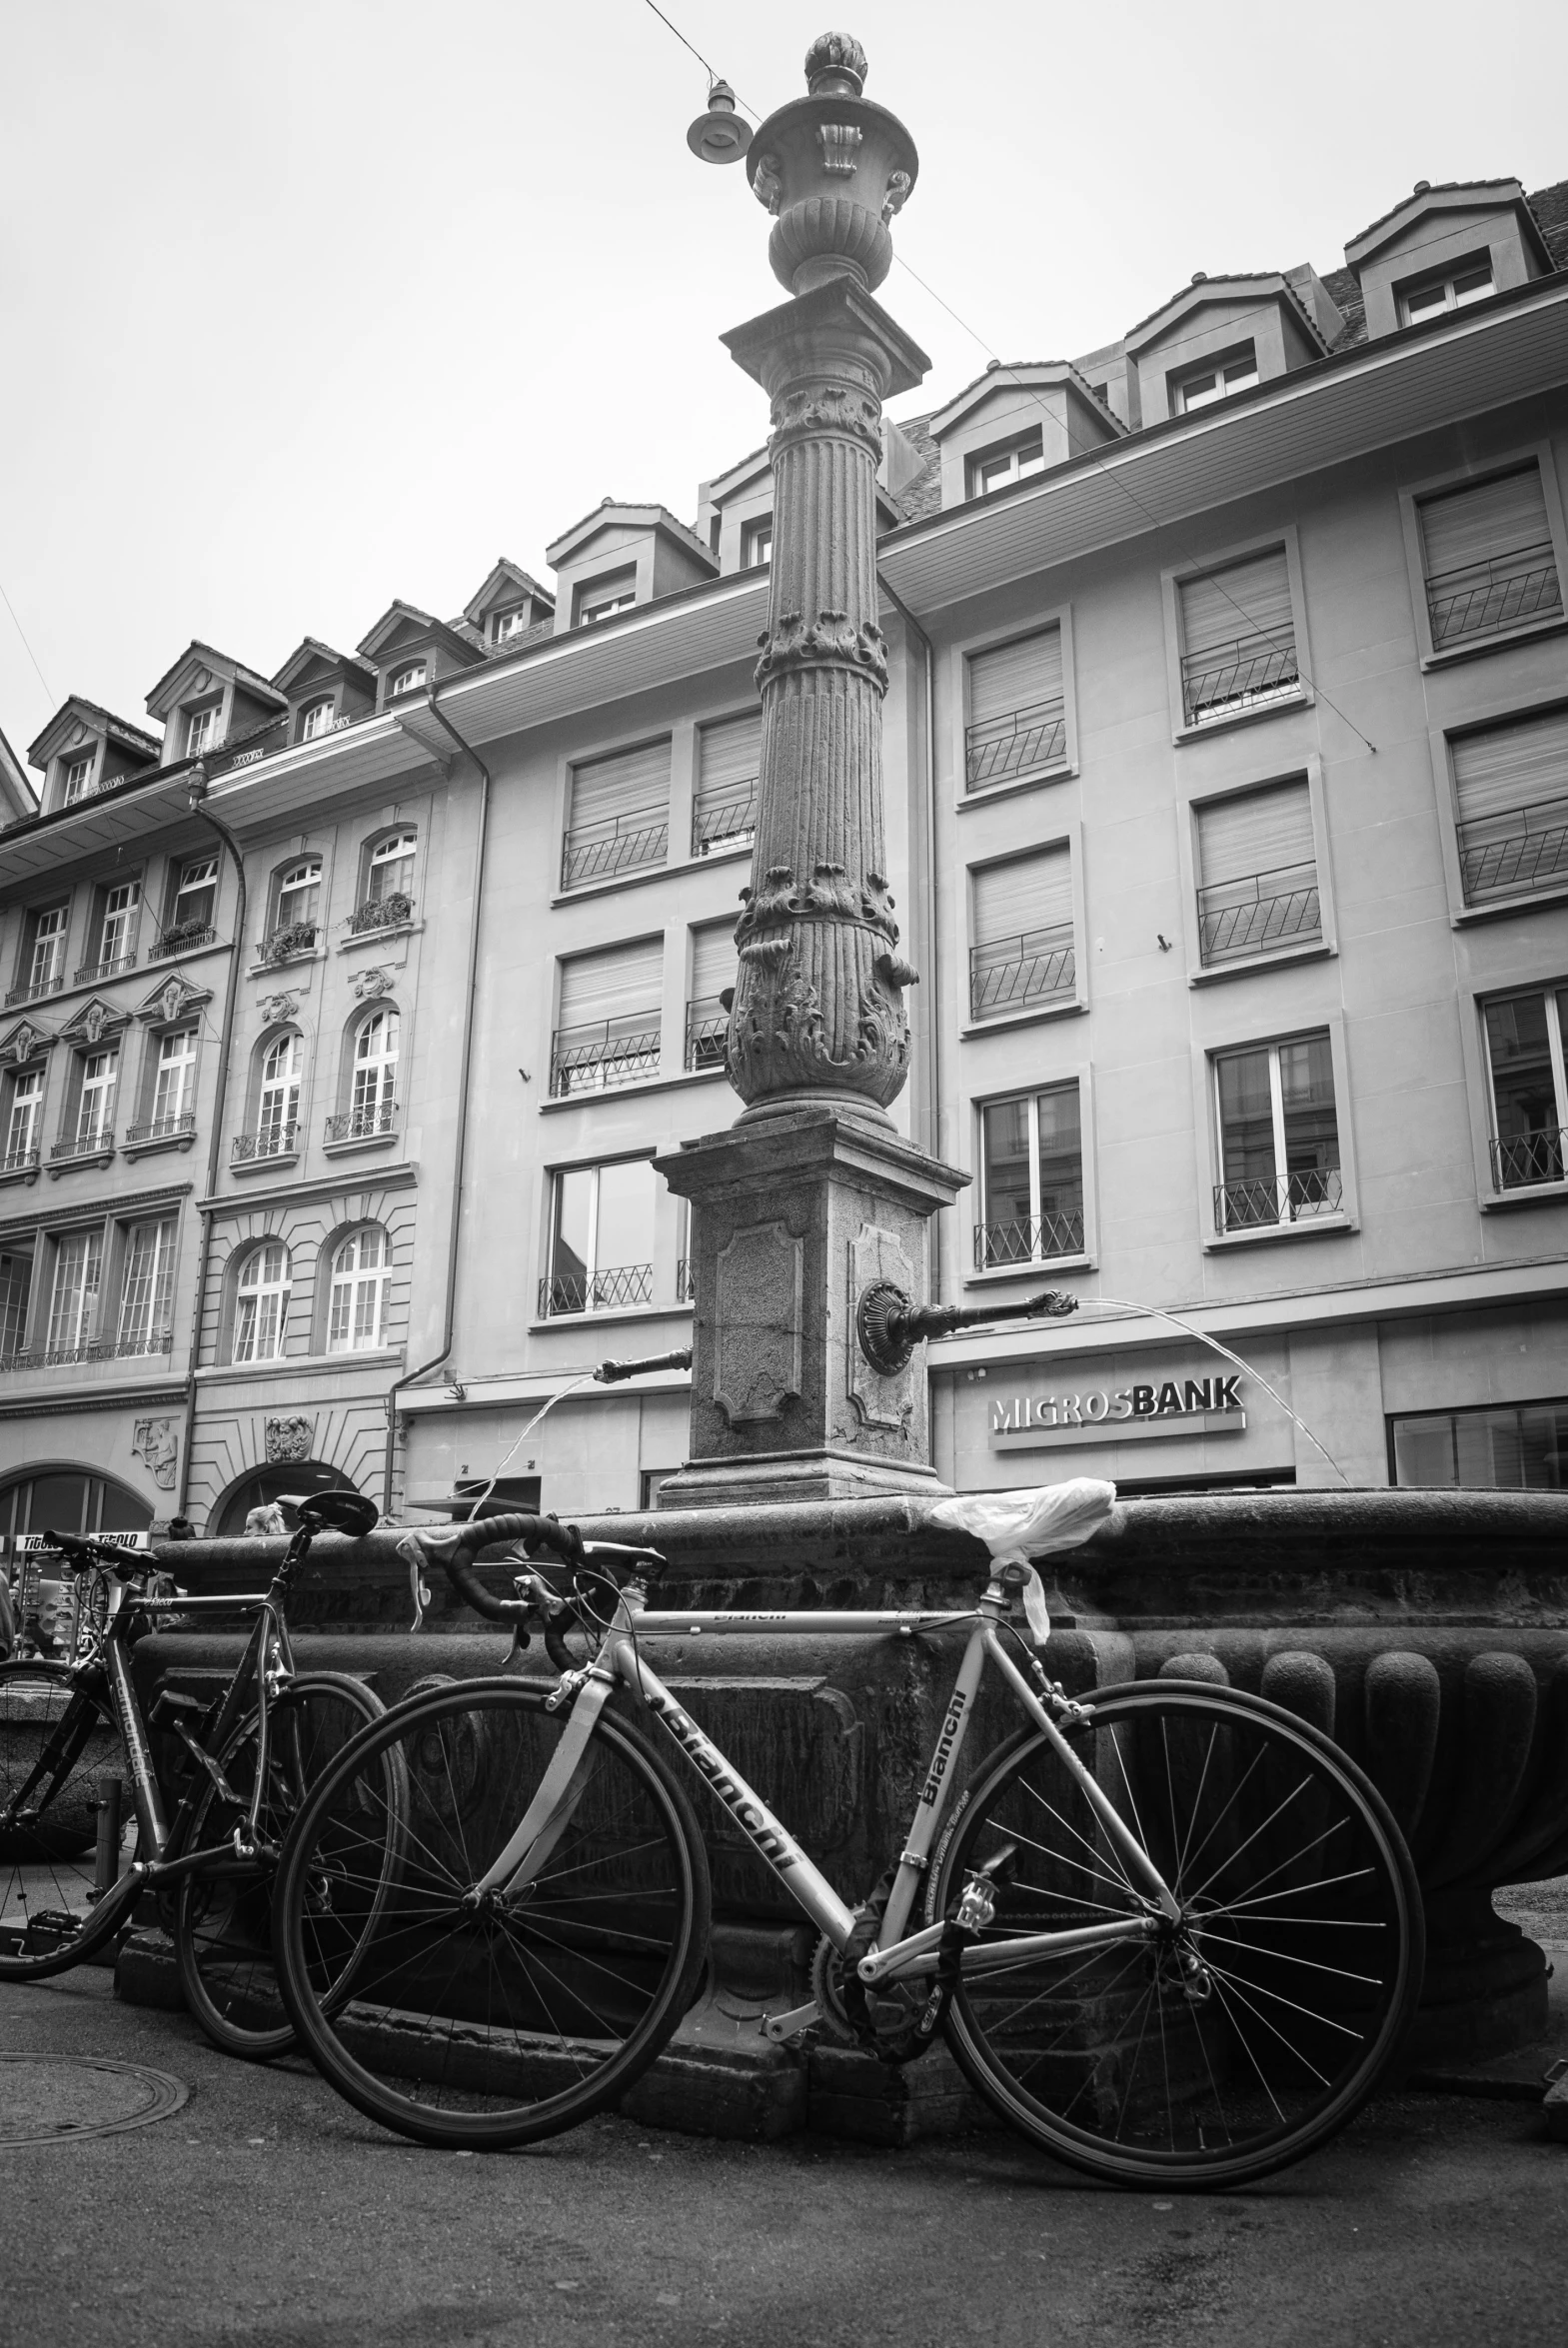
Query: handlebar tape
[533, 1531]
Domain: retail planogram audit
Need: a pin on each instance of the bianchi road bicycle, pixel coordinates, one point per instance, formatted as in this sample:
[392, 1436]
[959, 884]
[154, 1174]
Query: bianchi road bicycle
[72, 1732]
[1170, 1930]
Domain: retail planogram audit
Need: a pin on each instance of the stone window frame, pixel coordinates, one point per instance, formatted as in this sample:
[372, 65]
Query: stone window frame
[1475, 715]
[1049, 1070]
[1534, 975]
[321, 1301]
[1190, 799]
[1251, 1033]
[959, 654]
[1220, 558]
[1412, 493]
[240, 1254]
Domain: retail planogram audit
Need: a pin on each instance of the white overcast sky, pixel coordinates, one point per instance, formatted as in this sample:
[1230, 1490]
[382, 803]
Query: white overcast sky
[307, 304]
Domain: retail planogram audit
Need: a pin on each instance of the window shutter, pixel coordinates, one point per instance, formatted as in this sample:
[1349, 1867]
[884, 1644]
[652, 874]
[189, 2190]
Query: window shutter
[1261, 832]
[1260, 586]
[1032, 893]
[1483, 523]
[1016, 675]
[625, 981]
[712, 960]
[729, 753]
[629, 783]
[1511, 765]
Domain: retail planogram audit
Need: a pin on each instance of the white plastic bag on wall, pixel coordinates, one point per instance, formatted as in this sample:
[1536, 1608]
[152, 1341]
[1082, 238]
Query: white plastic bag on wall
[1018, 1525]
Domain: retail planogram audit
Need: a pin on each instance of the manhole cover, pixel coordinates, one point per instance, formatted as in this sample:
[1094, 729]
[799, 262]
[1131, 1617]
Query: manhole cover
[56, 2098]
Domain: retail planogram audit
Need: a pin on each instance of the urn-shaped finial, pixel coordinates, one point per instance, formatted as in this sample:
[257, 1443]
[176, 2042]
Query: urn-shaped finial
[832, 169]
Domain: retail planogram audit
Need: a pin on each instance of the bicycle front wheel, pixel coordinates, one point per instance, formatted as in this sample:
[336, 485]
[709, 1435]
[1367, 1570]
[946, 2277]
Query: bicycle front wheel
[480, 2020]
[223, 1912]
[59, 1741]
[1233, 2042]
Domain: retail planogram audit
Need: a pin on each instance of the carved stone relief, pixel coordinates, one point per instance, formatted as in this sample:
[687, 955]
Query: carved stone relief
[369, 984]
[878, 1255]
[759, 1291]
[156, 1443]
[288, 1439]
[278, 1006]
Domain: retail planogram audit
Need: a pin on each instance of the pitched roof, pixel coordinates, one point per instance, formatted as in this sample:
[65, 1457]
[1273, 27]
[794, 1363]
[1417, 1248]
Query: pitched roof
[399, 614]
[251, 678]
[643, 516]
[115, 729]
[506, 574]
[310, 647]
[17, 796]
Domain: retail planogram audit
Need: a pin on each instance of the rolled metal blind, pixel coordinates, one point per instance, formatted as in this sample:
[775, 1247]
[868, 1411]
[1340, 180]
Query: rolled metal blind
[712, 960]
[1244, 600]
[730, 752]
[622, 982]
[1016, 675]
[1511, 765]
[1030, 892]
[1483, 521]
[627, 783]
[1257, 832]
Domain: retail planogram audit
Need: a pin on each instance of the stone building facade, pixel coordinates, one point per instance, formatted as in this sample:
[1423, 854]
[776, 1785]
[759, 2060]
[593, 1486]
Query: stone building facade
[1226, 764]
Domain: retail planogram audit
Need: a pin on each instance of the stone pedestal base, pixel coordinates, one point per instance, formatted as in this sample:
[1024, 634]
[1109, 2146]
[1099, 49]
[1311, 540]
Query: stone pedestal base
[793, 1217]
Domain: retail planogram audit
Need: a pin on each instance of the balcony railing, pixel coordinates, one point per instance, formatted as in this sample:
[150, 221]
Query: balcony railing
[1010, 974]
[597, 851]
[91, 972]
[1260, 914]
[685, 1280]
[1249, 674]
[97, 1143]
[94, 1349]
[1014, 744]
[1523, 1159]
[20, 1159]
[392, 911]
[363, 1124]
[161, 1128]
[723, 819]
[1019, 1240]
[622, 1285]
[186, 938]
[607, 1053]
[1276, 1198]
[35, 990]
[706, 1031]
[295, 938]
[271, 1141]
[1515, 850]
[1484, 598]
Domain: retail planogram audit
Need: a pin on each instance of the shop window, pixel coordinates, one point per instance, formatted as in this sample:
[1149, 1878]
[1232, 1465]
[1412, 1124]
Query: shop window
[261, 1302]
[1278, 1134]
[1257, 873]
[617, 815]
[1032, 1178]
[609, 1030]
[1522, 1448]
[1017, 710]
[1024, 955]
[601, 1239]
[1238, 640]
[1524, 1051]
[68, 1499]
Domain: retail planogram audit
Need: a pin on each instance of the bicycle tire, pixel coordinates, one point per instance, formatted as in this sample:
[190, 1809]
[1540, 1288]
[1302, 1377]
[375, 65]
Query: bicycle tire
[223, 1919]
[49, 1920]
[1301, 1901]
[481, 2025]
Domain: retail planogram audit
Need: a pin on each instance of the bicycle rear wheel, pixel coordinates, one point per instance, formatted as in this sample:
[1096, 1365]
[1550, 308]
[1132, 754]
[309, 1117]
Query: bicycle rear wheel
[223, 1914]
[49, 1917]
[1298, 1898]
[482, 2021]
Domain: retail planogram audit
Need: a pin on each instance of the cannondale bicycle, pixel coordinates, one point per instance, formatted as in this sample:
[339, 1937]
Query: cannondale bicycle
[1170, 1931]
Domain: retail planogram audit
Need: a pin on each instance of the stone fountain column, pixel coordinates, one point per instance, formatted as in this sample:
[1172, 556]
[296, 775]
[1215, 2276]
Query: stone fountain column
[813, 1196]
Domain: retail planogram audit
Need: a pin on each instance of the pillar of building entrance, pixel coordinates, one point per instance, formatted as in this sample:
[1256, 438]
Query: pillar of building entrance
[812, 1198]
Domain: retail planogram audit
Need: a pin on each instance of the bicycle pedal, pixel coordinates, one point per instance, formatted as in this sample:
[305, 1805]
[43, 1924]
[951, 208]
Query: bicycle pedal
[170, 1709]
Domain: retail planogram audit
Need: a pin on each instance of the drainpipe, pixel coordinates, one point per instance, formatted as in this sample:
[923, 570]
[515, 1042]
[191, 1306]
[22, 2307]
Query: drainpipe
[198, 793]
[939, 1005]
[465, 1060]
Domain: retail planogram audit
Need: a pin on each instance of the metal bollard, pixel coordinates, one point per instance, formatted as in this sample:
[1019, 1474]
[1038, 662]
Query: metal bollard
[106, 1874]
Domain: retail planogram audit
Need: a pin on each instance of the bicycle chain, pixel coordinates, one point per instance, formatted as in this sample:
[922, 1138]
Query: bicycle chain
[900, 2035]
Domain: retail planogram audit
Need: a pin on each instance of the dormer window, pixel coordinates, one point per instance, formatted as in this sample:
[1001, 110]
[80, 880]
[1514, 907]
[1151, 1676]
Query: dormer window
[999, 468]
[599, 599]
[757, 544]
[1219, 379]
[201, 730]
[1470, 281]
[316, 718]
[407, 679]
[512, 622]
[78, 778]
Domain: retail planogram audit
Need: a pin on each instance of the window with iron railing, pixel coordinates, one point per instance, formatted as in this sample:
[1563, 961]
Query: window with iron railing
[724, 801]
[617, 816]
[1278, 1134]
[1017, 710]
[1024, 952]
[1511, 806]
[1525, 1036]
[1031, 1179]
[1489, 562]
[609, 1023]
[73, 1300]
[24, 1113]
[43, 955]
[601, 1239]
[599, 1054]
[706, 1033]
[1238, 640]
[1257, 873]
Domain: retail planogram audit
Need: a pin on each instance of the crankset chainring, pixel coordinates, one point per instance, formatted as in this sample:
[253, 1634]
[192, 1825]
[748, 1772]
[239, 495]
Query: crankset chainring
[896, 2022]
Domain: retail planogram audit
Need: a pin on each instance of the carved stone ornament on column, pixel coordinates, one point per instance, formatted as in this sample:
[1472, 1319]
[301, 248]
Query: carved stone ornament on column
[369, 984]
[154, 1443]
[288, 1439]
[878, 1255]
[278, 1006]
[172, 999]
[759, 1295]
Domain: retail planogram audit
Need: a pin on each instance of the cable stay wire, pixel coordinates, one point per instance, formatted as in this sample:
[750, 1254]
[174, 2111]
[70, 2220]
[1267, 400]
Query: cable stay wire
[52, 698]
[1112, 474]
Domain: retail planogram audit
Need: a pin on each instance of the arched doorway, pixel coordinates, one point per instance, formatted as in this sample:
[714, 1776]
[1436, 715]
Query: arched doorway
[265, 1484]
[60, 1496]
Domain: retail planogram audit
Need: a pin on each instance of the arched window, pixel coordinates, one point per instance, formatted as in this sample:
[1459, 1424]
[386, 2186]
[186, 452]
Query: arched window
[373, 1106]
[360, 1265]
[392, 866]
[261, 1303]
[278, 1100]
[299, 894]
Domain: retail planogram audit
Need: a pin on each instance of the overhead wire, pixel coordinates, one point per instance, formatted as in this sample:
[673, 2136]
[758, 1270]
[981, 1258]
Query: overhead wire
[27, 647]
[1000, 366]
